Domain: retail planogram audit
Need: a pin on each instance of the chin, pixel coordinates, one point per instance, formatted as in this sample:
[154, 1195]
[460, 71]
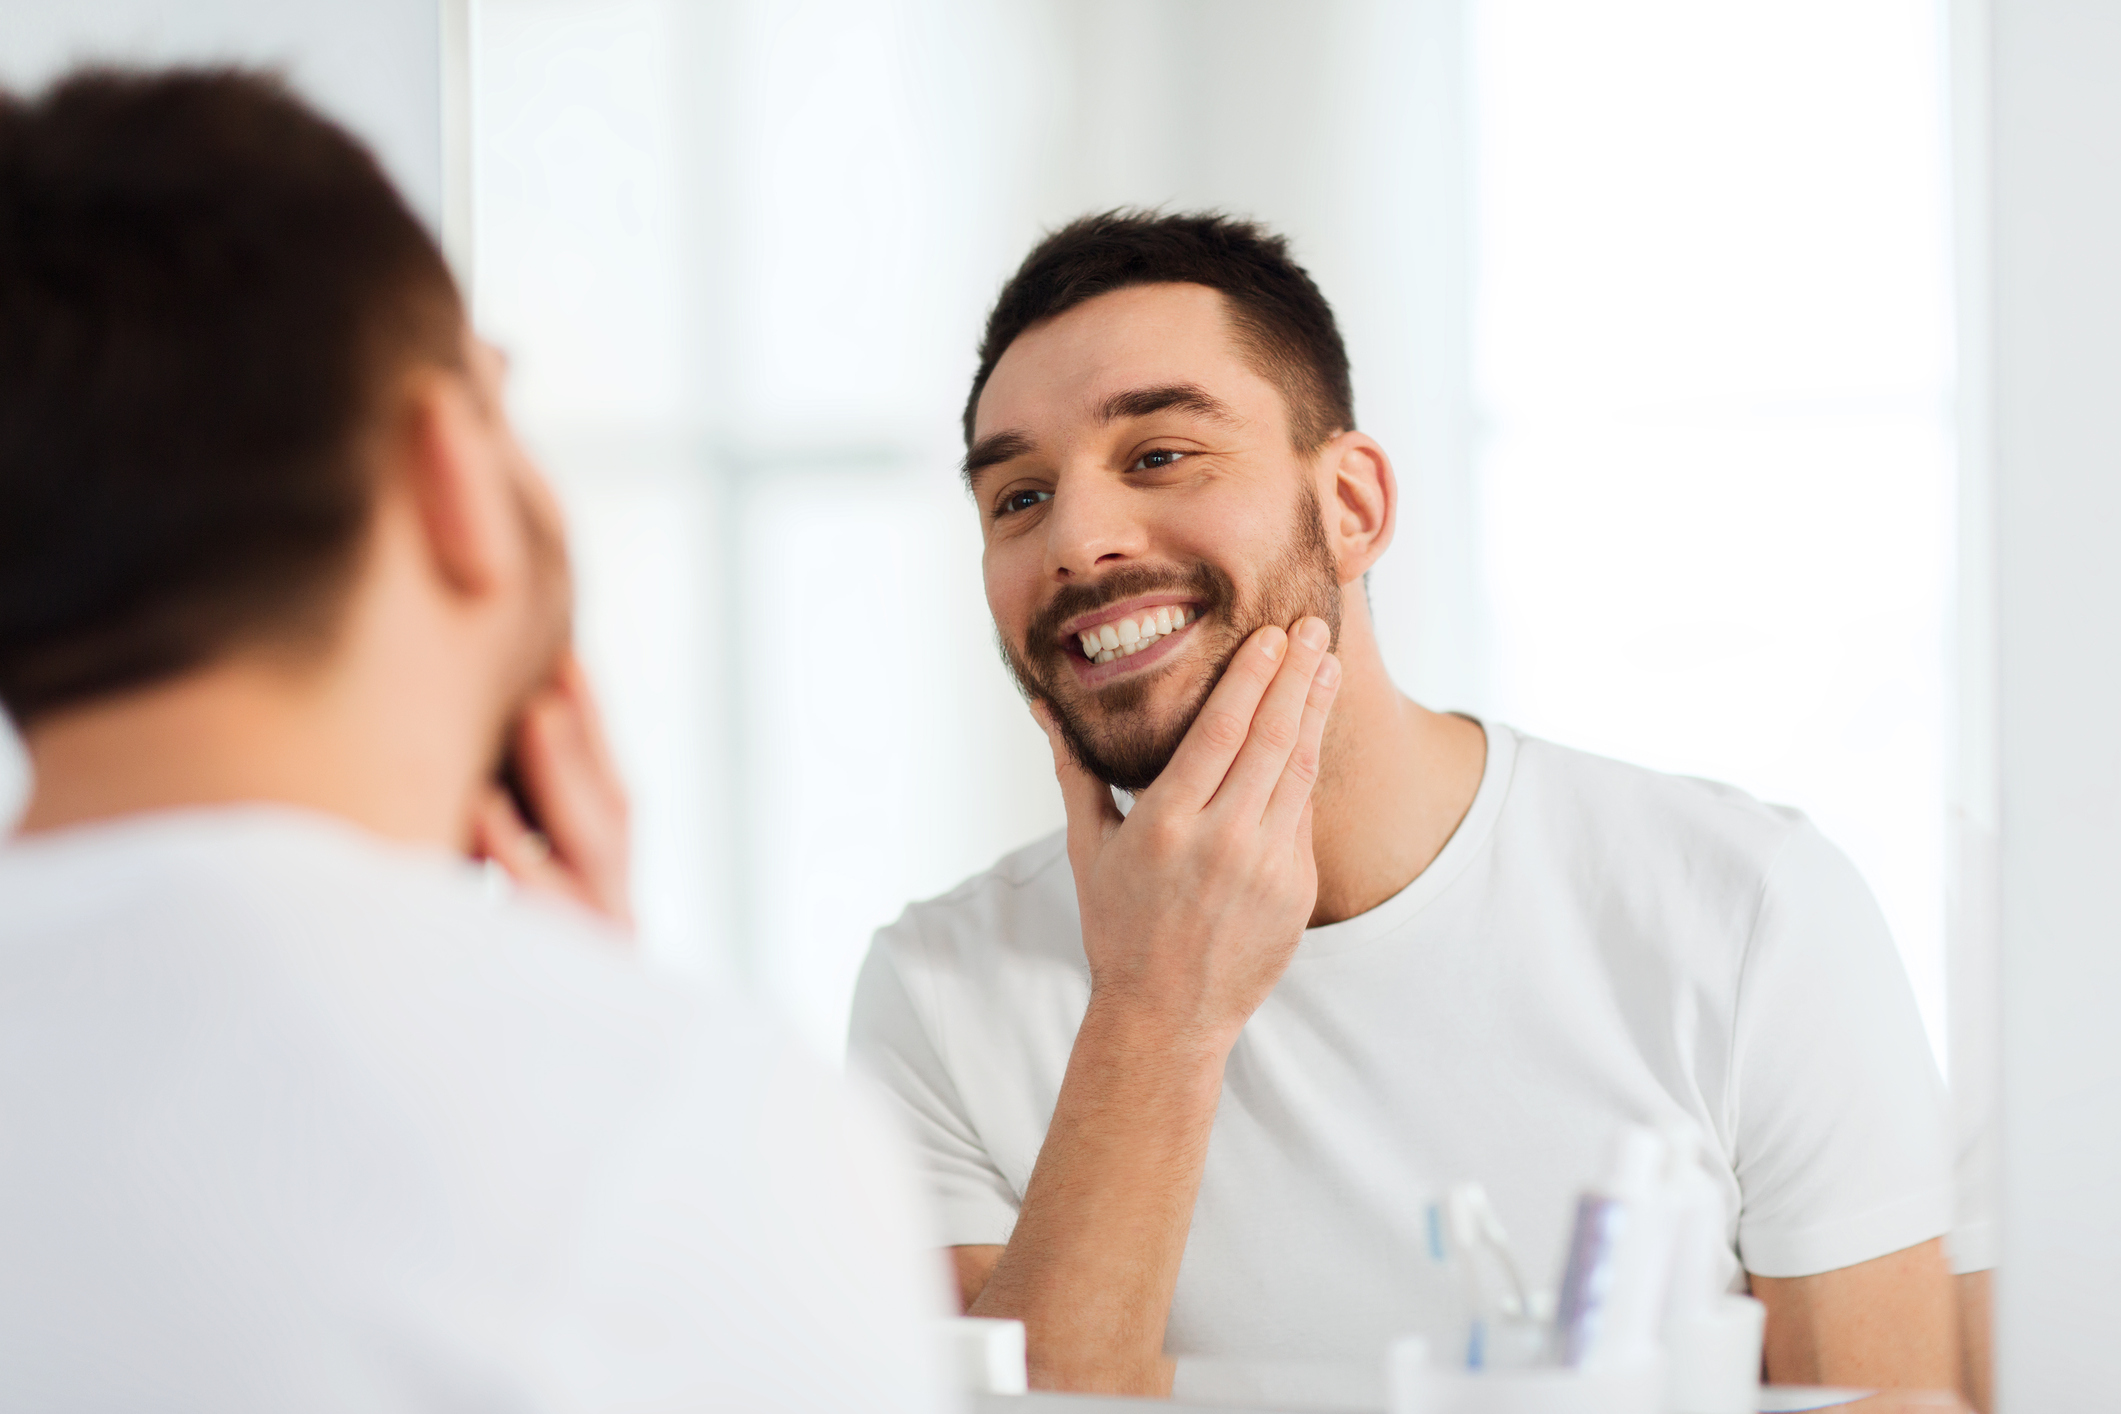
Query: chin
[1129, 752]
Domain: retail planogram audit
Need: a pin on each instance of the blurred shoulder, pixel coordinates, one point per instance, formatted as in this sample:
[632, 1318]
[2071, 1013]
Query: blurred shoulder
[256, 911]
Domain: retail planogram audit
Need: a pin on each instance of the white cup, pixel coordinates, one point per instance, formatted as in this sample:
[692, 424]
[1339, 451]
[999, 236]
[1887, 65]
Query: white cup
[981, 1355]
[1712, 1359]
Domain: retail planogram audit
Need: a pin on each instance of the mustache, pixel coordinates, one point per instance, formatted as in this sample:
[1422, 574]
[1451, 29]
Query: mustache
[1213, 588]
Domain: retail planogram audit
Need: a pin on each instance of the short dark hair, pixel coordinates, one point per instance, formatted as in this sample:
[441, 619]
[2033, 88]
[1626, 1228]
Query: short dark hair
[1284, 321]
[206, 293]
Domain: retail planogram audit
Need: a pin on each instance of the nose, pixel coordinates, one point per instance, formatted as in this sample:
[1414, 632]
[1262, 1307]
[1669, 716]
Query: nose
[1090, 528]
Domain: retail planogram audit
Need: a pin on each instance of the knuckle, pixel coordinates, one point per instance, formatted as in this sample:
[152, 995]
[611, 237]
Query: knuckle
[1276, 731]
[1303, 764]
[1220, 729]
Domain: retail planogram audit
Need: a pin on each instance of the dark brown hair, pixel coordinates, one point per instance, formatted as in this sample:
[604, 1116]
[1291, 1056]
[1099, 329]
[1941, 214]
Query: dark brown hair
[1285, 323]
[207, 292]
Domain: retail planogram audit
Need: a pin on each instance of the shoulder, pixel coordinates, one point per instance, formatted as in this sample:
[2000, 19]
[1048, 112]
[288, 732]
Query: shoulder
[1672, 858]
[1006, 939]
[1630, 818]
[408, 957]
[1023, 907]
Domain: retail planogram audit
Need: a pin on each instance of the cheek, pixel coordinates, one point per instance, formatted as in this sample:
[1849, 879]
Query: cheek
[1011, 580]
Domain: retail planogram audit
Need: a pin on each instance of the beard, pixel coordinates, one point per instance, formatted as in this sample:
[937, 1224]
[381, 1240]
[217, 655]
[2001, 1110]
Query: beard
[1109, 731]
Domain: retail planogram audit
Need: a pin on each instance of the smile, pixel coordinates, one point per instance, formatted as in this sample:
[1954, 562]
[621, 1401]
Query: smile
[1124, 637]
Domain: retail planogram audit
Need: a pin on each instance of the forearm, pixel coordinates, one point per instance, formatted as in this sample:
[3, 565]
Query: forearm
[1093, 1261]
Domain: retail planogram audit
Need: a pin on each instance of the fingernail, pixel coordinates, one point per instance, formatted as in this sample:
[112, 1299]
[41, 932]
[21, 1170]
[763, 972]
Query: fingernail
[1312, 633]
[1328, 671]
[1273, 642]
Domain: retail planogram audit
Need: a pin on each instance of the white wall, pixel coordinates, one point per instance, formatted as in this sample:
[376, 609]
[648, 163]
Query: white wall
[376, 66]
[2054, 370]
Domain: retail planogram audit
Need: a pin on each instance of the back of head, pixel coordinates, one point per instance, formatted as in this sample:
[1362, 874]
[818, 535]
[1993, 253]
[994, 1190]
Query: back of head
[1277, 311]
[207, 293]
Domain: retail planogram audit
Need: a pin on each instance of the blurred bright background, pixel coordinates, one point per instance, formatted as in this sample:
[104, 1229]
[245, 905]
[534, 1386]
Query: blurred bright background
[1650, 299]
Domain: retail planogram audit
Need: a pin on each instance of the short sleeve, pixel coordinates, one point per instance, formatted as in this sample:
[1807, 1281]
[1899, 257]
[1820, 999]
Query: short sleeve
[890, 1043]
[1841, 1126]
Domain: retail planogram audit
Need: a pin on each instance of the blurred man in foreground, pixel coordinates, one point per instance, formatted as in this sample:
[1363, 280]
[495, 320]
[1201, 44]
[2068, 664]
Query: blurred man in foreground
[1185, 1081]
[297, 1115]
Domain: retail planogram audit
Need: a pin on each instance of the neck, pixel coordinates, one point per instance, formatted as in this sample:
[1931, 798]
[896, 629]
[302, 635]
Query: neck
[252, 729]
[1394, 784]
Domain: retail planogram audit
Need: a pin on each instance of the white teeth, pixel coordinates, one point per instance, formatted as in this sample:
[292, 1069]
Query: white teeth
[1123, 638]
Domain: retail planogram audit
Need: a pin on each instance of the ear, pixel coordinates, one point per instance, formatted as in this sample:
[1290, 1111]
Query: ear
[1359, 499]
[448, 468]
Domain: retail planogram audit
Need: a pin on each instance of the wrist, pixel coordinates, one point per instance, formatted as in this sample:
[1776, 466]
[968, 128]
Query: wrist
[1135, 1028]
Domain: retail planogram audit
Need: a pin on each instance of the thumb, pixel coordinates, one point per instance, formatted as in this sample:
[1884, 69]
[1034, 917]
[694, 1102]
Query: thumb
[1092, 817]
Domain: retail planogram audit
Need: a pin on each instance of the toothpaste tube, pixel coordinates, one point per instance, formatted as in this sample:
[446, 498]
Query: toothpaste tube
[1614, 1284]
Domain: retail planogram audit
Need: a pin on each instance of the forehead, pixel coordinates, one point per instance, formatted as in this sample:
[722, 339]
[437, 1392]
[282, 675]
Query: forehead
[1058, 372]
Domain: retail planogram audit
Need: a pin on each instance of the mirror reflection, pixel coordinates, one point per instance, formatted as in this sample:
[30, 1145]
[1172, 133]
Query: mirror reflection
[1324, 644]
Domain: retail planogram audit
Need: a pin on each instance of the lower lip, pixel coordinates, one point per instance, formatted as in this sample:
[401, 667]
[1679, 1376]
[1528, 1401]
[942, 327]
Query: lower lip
[1091, 674]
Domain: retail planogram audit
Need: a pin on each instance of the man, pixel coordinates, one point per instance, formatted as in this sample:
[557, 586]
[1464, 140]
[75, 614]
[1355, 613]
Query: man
[1163, 1116]
[297, 1113]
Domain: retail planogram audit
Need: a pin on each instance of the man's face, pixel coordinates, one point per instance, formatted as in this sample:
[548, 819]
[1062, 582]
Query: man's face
[1135, 477]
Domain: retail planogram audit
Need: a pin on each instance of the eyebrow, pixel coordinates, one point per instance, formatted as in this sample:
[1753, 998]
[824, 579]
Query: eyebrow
[998, 447]
[994, 448]
[1183, 397]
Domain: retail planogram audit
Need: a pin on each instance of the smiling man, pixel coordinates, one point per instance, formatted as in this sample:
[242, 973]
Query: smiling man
[1178, 1092]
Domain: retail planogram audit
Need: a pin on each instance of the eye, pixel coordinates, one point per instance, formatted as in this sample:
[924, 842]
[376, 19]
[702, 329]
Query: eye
[1020, 501]
[1155, 461]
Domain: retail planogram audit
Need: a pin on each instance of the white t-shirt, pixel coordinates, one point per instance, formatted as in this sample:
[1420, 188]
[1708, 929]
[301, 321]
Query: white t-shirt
[294, 1119]
[1597, 944]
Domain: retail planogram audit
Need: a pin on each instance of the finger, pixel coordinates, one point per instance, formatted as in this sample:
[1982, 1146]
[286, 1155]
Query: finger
[1197, 768]
[499, 834]
[1276, 726]
[572, 680]
[1092, 815]
[1292, 793]
[580, 805]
